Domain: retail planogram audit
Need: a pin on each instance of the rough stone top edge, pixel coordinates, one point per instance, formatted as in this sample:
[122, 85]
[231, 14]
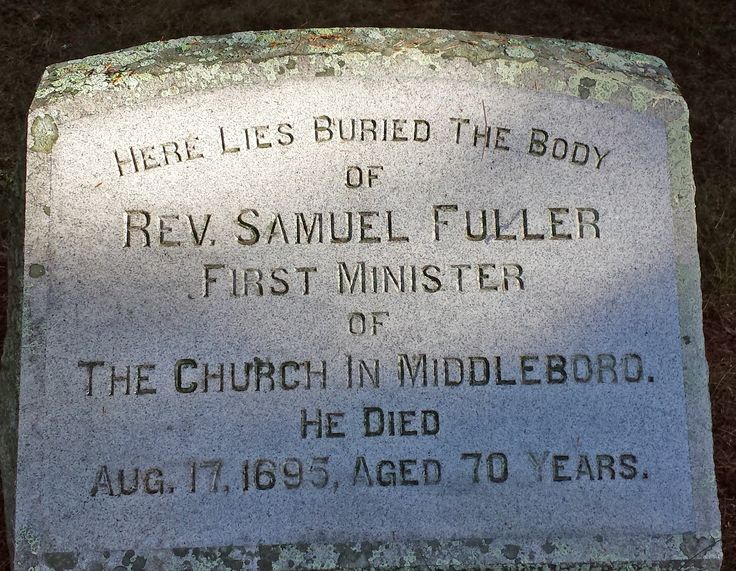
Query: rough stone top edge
[130, 68]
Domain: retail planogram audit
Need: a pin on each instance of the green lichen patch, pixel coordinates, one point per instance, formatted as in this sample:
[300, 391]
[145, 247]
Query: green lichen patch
[221, 60]
[61, 560]
[134, 562]
[510, 551]
[549, 547]
[694, 546]
[44, 133]
[36, 270]
[519, 52]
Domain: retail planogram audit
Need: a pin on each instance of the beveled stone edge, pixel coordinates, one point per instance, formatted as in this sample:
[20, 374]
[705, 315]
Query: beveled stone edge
[478, 554]
[140, 66]
[692, 341]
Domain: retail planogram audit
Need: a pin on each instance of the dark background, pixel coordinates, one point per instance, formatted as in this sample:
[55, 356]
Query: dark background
[697, 39]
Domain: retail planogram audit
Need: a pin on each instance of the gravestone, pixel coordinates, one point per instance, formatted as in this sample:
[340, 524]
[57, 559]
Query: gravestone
[355, 298]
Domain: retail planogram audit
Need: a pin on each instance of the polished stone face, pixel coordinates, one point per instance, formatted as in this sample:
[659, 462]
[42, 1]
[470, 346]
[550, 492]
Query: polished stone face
[360, 298]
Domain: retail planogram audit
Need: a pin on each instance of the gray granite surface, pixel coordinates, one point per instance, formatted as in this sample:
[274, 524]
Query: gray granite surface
[358, 298]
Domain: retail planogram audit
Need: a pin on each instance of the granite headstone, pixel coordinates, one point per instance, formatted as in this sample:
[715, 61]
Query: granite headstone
[358, 298]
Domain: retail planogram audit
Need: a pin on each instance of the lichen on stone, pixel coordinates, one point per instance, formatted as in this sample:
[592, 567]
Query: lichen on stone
[44, 133]
[211, 61]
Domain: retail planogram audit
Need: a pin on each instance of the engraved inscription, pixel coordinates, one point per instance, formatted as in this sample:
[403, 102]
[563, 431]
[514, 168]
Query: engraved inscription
[306, 311]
